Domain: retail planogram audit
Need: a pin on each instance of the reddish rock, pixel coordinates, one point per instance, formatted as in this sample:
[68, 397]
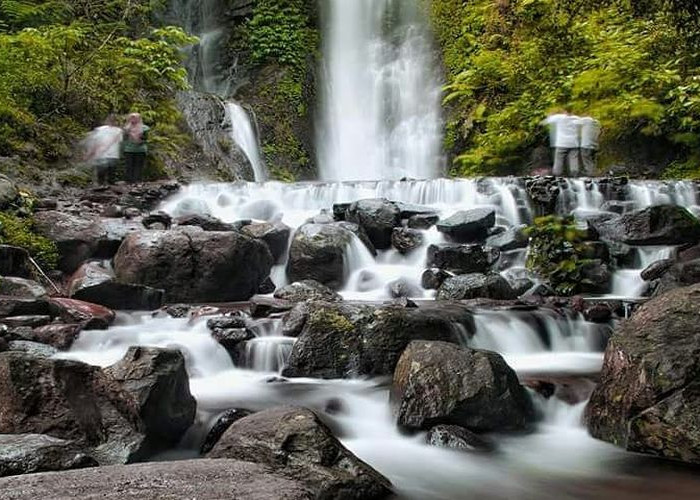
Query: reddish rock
[91, 316]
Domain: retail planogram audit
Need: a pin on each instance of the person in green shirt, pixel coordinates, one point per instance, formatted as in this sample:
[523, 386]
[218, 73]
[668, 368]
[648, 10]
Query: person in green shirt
[135, 146]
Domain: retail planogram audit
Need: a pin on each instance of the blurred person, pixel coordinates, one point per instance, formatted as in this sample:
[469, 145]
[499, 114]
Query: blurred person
[564, 137]
[135, 147]
[104, 150]
[590, 135]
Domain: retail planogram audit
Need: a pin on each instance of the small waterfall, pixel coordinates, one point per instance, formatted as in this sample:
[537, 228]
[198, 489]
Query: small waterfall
[243, 133]
[380, 114]
[647, 193]
[628, 283]
[269, 350]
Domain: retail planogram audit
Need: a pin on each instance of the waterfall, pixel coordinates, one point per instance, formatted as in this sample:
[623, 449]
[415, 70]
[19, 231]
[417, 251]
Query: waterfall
[243, 133]
[380, 115]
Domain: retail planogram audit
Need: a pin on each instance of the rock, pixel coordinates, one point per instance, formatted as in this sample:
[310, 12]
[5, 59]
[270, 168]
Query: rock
[30, 321]
[458, 438]
[158, 382]
[360, 233]
[177, 310]
[20, 287]
[275, 235]
[408, 210]
[15, 306]
[205, 221]
[304, 290]
[433, 278]
[323, 217]
[617, 207]
[655, 225]
[598, 313]
[294, 442]
[346, 340]
[46, 204]
[648, 399]
[406, 240]
[657, 269]
[91, 316]
[679, 275]
[267, 287]
[15, 261]
[595, 278]
[221, 425]
[378, 217]
[404, 288]
[262, 307]
[294, 321]
[318, 252]
[232, 339]
[30, 453]
[339, 211]
[113, 212]
[34, 349]
[511, 239]
[476, 286]
[176, 480]
[195, 266]
[572, 390]
[161, 218]
[402, 302]
[132, 212]
[544, 193]
[226, 322]
[467, 226]
[596, 250]
[68, 400]
[423, 221]
[441, 383]
[57, 335]
[461, 259]
[9, 193]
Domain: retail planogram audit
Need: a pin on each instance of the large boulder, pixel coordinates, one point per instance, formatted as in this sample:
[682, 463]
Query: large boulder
[90, 316]
[648, 399]
[655, 225]
[442, 383]
[69, 400]
[30, 453]
[77, 237]
[275, 235]
[19, 306]
[512, 238]
[301, 291]
[318, 252]
[406, 240]
[461, 259]
[21, 287]
[677, 275]
[476, 286]
[340, 340]
[193, 265]
[93, 282]
[467, 226]
[221, 425]
[157, 380]
[294, 442]
[378, 217]
[57, 335]
[204, 221]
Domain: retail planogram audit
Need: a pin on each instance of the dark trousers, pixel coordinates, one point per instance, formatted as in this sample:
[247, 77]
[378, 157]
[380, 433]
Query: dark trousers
[133, 168]
[106, 171]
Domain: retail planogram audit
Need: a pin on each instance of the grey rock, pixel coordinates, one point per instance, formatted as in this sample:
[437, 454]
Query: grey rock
[468, 226]
[31, 453]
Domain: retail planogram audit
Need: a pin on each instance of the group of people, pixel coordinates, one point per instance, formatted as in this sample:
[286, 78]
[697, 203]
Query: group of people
[107, 144]
[575, 141]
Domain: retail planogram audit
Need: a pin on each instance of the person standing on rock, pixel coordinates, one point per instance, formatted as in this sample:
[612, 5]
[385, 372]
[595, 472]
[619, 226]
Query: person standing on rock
[564, 135]
[590, 135]
[104, 150]
[135, 148]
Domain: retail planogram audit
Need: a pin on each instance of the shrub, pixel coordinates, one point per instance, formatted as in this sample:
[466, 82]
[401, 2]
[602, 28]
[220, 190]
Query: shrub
[19, 232]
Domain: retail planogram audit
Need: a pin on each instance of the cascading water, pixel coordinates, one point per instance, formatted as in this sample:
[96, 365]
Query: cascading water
[243, 133]
[380, 115]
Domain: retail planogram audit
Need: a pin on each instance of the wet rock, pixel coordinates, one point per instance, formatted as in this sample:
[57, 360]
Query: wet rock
[30, 321]
[568, 389]
[194, 266]
[423, 221]
[511, 239]
[57, 335]
[458, 438]
[46, 204]
[596, 250]
[233, 339]
[678, 275]
[324, 217]
[657, 269]
[346, 340]
[113, 212]
[262, 307]
[617, 207]
[294, 321]
[476, 286]
[161, 218]
[595, 278]
[30, 453]
[14, 261]
[206, 222]
[468, 226]
[275, 235]
[433, 278]
[158, 382]
[294, 442]
[544, 193]
[598, 313]
[622, 255]
[221, 425]
[225, 322]
[461, 259]
[267, 287]
[406, 240]
[68, 400]
[304, 290]
[408, 210]
[404, 288]
[339, 210]
[648, 398]
[91, 316]
[441, 383]
[34, 349]
[358, 231]
[20, 287]
[378, 217]
[16, 306]
[655, 225]
[177, 310]
[401, 302]
[318, 252]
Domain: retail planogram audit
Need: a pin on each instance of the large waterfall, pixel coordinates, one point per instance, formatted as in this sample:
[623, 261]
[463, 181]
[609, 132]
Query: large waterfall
[380, 115]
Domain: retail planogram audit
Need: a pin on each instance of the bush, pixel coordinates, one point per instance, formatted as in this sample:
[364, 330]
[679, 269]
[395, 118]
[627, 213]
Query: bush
[19, 232]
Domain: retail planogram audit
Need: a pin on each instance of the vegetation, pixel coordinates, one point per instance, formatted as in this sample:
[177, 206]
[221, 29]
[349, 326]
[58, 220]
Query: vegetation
[66, 65]
[635, 65]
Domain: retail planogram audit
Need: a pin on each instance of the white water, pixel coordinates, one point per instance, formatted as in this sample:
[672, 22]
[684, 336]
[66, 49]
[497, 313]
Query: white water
[380, 116]
[244, 135]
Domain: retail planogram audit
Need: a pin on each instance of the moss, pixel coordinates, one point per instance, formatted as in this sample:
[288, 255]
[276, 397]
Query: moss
[17, 231]
[331, 321]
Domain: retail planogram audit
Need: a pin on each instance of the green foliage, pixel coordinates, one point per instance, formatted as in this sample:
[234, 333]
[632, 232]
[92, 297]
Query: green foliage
[330, 321]
[18, 231]
[509, 63]
[557, 254]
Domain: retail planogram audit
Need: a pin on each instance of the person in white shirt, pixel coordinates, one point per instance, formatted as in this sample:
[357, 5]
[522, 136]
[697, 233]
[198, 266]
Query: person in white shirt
[590, 135]
[564, 137]
[105, 150]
